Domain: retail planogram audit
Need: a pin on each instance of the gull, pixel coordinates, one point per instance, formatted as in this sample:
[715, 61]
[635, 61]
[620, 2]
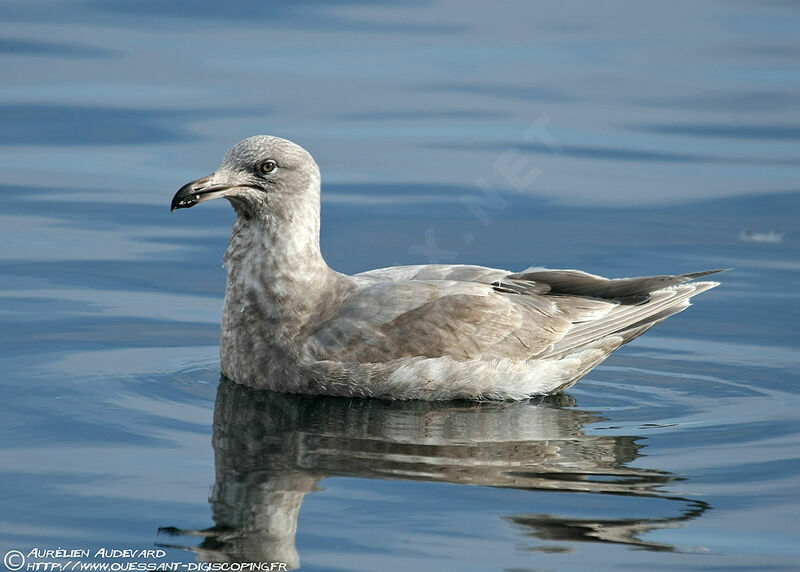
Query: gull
[292, 324]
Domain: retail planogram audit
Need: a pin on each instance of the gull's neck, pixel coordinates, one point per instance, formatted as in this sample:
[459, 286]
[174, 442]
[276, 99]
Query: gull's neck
[279, 288]
[276, 270]
[275, 247]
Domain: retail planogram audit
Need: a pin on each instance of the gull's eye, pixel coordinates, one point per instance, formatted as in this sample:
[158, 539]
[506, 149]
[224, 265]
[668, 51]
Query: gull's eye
[266, 167]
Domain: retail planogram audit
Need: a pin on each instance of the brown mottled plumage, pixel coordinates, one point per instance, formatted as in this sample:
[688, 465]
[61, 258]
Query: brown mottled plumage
[293, 324]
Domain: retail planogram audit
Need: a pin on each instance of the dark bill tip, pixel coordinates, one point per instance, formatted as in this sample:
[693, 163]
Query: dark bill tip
[196, 192]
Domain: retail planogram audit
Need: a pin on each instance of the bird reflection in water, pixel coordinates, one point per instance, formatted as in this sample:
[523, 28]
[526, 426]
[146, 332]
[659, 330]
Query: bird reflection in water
[272, 449]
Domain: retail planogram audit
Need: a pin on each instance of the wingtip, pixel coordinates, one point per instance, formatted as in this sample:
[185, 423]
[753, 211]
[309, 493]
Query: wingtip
[696, 275]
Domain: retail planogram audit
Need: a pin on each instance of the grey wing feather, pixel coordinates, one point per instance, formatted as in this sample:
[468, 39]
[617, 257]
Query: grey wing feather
[433, 318]
[663, 304]
[623, 290]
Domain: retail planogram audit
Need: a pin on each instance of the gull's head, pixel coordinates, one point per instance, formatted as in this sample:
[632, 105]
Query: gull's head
[260, 175]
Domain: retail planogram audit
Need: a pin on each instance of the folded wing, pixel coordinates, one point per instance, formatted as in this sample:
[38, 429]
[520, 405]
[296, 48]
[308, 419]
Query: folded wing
[471, 312]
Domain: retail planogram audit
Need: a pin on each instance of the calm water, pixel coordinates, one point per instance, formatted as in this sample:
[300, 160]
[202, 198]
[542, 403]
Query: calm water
[646, 137]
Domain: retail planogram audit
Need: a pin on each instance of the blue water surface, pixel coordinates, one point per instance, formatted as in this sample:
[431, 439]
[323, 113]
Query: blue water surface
[620, 138]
